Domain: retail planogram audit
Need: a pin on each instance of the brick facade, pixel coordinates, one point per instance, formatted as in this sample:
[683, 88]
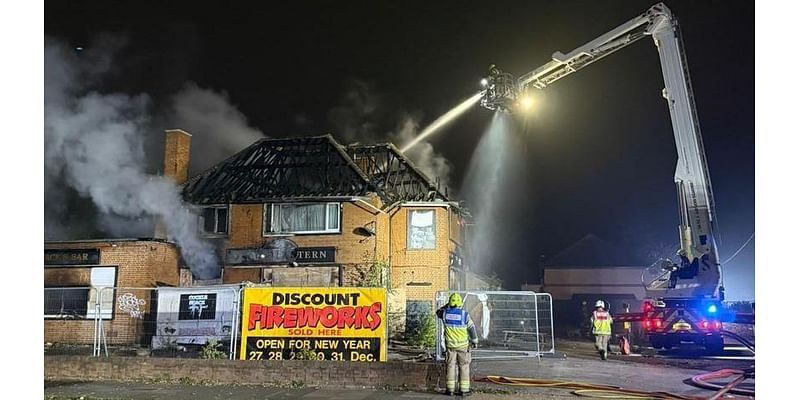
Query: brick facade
[392, 374]
[138, 263]
[419, 272]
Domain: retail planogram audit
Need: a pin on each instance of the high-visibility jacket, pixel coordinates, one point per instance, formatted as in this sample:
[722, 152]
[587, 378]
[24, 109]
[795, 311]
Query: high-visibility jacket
[601, 323]
[459, 329]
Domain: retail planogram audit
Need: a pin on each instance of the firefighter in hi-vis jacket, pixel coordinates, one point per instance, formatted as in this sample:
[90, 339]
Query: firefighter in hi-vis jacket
[601, 328]
[459, 333]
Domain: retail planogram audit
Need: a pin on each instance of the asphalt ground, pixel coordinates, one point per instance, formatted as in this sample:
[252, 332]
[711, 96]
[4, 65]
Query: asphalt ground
[576, 361]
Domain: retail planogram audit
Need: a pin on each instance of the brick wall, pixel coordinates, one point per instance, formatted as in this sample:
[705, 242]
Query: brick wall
[237, 275]
[176, 166]
[140, 264]
[176, 155]
[419, 376]
[420, 266]
[352, 250]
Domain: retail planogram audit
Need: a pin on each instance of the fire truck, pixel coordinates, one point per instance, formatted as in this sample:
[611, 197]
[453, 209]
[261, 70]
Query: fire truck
[684, 297]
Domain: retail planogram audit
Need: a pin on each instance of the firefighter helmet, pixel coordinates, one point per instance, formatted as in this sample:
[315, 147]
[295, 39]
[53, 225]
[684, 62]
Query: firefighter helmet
[455, 300]
[600, 303]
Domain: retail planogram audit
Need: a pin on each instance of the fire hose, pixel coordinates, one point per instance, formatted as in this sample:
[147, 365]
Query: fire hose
[745, 342]
[702, 382]
[587, 389]
[614, 392]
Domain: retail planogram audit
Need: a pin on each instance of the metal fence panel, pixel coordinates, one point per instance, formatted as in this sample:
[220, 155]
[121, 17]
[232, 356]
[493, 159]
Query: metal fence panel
[193, 316]
[508, 323]
[172, 321]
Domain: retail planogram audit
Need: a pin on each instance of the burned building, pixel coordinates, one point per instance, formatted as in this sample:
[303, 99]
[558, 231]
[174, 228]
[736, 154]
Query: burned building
[282, 212]
[80, 277]
[312, 212]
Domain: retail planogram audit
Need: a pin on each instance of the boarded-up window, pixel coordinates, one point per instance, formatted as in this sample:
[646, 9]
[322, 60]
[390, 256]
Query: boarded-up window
[421, 229]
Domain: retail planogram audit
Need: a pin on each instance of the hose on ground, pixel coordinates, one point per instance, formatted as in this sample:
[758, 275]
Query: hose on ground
[701, 381]
[587, 389]
[747, 343]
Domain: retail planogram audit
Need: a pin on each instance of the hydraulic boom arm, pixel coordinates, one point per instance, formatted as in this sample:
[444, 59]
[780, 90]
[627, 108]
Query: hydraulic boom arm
[698, 273]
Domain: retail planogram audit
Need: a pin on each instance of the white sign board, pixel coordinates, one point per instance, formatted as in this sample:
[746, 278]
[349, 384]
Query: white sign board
[193, 315]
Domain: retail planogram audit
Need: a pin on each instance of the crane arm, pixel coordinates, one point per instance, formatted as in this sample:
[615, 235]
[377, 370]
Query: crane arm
[562, 65]
[699, 273]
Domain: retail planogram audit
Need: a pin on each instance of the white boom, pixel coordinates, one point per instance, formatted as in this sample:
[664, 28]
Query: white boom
[699, 272]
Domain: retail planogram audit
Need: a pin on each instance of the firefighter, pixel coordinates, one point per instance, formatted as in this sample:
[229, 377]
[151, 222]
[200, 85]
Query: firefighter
[494, 71]
[459, 333]
[601, 328]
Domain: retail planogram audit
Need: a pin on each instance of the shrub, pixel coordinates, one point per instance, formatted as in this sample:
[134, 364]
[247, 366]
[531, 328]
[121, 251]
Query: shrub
[211, 350]
[424, 334]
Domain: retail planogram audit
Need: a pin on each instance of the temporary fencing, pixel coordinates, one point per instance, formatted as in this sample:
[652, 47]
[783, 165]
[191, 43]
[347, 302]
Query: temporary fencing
[508, 323]
[158, 321]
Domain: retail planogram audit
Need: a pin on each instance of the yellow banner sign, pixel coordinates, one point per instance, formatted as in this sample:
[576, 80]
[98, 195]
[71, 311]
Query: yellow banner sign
[338, 323]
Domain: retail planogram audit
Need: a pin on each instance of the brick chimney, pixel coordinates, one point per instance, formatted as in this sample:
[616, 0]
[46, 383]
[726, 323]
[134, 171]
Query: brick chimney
[176, 155]
[176, 164]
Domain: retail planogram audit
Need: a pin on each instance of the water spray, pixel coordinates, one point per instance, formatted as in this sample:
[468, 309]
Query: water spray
[444, 120]
[485, 187]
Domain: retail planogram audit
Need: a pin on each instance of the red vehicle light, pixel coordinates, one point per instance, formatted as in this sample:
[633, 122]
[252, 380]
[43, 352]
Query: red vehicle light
[647, 324]
[657, 323]
[704, 324]
[717, 325]
[647, 307]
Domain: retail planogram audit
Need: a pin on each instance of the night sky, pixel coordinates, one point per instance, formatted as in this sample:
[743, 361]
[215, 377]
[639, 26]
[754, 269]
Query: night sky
[598, 156]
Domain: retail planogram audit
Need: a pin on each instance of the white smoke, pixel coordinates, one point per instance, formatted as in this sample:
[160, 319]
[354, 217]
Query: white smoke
[218, 128]
[357, 117]
[94, 143]
[424, 157]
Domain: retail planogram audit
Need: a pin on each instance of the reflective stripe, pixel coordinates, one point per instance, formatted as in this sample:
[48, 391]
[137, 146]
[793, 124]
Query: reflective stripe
[456, 322]
[601, 323]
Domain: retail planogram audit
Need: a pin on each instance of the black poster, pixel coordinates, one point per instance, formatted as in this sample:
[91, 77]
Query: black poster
[315, 254]
[198, 306]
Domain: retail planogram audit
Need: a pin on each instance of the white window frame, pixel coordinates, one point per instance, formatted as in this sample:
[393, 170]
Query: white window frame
[202, 225]
[327, 230]
[99, 283]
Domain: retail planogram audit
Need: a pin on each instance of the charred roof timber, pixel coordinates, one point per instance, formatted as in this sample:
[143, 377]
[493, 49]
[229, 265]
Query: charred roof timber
[394, 176]
[310, 168]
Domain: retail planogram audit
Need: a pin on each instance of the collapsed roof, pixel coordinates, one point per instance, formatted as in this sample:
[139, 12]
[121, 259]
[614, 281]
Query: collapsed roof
[311, 168]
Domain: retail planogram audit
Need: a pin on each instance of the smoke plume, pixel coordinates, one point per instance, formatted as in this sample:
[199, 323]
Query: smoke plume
[424, 157]
[218, 128]
[94, 145]
[360, 113]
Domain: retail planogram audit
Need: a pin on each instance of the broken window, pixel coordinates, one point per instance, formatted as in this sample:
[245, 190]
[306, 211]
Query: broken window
[215, 220]
[301, 218]
[66, 302]
[421, 229]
